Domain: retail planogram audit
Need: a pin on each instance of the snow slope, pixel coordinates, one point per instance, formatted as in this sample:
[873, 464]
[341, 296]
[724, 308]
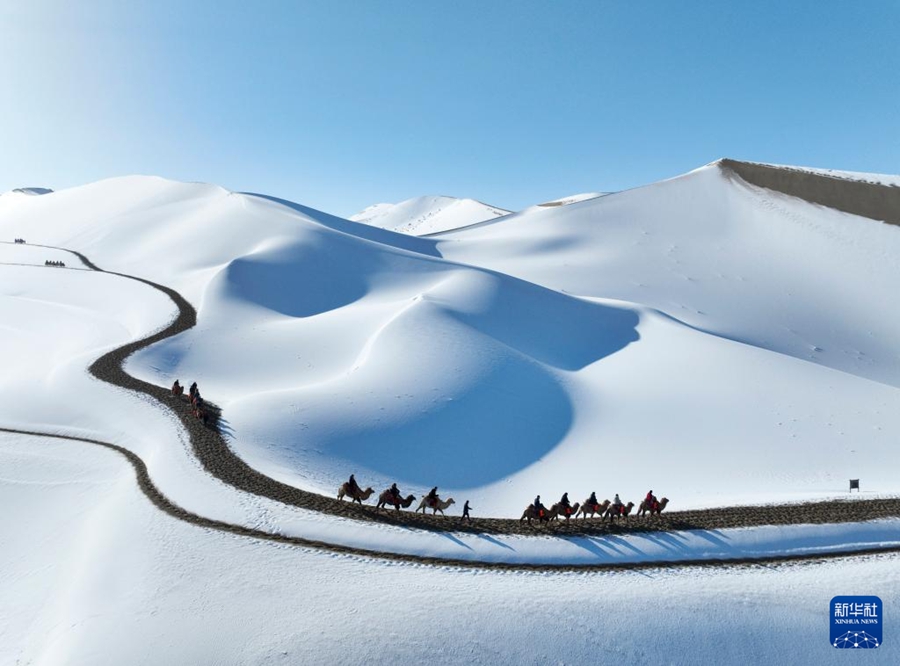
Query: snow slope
[98, 311]
[575, 198]
[427, 215]
[716, 341]
[722, 256]
[336, 347]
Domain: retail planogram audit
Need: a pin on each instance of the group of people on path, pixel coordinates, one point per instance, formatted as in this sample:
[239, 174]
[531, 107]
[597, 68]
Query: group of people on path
[57, 264]
[19, 241]
[617, 505]
[198, 407]
[431, 499]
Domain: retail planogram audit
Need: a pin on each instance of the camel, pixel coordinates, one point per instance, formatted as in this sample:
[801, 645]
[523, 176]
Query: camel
[590, 509]
[622, 511]
[660, 505]
[387, 498]
[531, 513]
[557, 510]
[439, 505]
[360, 496]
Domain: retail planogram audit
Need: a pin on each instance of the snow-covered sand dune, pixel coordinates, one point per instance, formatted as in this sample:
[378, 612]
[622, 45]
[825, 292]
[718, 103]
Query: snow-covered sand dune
[712, 339]
[744, 262]
[575, 198]
[336, 347]
[428, 215]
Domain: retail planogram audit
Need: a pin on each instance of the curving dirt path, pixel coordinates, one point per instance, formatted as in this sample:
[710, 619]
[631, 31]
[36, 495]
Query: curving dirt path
[220, 461]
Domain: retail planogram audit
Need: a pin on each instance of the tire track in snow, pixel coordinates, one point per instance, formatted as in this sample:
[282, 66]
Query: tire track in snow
[217, 458]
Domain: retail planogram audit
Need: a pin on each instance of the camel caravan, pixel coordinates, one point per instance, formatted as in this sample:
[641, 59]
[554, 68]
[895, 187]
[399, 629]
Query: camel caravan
[611, 510]
[590, 508]
[199, 409]
[392, 497]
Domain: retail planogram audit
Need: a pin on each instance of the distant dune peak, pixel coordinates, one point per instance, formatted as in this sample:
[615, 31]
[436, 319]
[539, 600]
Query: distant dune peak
[427, 215]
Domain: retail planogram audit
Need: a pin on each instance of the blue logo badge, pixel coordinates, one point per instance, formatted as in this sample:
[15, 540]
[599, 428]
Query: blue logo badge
[856, 622]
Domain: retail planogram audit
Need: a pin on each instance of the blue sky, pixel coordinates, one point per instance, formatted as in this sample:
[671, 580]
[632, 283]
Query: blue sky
[339, 105]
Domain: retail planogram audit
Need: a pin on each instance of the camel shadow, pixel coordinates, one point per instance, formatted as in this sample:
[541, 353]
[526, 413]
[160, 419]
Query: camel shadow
[224, 427]
[669, 541]
[713, 537]
[494, 541]
[457, 541]
[593, 546]
[624, 543]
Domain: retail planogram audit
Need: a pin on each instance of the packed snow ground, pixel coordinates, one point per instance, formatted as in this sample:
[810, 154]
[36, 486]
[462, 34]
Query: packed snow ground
[136, 587]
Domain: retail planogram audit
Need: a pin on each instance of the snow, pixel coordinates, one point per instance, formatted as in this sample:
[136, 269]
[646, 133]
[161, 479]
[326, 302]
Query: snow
[92, 316]
[133, 577]
[402, 351]
[334, 351]
[717, 342]
[427, 215]
[575, 198]
[742, 262]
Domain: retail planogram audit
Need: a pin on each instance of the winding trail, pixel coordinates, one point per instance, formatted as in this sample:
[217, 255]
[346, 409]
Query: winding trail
[217, 458]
